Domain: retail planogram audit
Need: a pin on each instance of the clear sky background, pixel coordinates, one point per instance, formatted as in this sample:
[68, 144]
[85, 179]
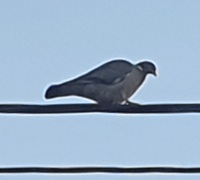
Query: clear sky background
[45, 41]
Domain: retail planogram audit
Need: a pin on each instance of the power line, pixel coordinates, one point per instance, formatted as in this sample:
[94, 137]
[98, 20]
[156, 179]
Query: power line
[78, 170]
[91, 108]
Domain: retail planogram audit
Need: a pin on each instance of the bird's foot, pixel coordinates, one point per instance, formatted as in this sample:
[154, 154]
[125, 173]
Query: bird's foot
[132, 104]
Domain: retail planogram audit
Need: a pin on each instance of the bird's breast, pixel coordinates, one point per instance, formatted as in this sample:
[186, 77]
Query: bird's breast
[131, 83]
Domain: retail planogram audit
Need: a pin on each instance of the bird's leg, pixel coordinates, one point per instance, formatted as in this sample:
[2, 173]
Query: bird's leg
[132, 103]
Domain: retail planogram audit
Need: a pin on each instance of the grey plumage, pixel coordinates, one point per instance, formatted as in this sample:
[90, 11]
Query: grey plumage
[111, 83]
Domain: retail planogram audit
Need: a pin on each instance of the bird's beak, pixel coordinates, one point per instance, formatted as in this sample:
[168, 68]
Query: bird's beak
[154, 73]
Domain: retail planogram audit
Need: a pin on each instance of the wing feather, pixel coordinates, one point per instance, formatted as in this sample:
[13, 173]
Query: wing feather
[109, 73]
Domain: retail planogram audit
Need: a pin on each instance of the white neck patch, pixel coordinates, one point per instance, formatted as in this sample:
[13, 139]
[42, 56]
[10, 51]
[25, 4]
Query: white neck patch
[140, 67]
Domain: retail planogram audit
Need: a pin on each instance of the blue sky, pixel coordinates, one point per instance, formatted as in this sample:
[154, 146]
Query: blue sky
[45, 42]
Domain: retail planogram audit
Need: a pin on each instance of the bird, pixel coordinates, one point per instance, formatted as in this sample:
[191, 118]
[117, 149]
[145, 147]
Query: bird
[112, 83]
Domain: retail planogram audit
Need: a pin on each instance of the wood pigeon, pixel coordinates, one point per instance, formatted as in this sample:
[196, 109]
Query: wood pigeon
[112, 83]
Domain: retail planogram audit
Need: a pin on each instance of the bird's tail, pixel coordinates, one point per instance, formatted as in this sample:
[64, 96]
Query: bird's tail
[58, 91]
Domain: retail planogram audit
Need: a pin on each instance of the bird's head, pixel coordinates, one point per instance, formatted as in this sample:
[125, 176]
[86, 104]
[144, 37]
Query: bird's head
[147, 67]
